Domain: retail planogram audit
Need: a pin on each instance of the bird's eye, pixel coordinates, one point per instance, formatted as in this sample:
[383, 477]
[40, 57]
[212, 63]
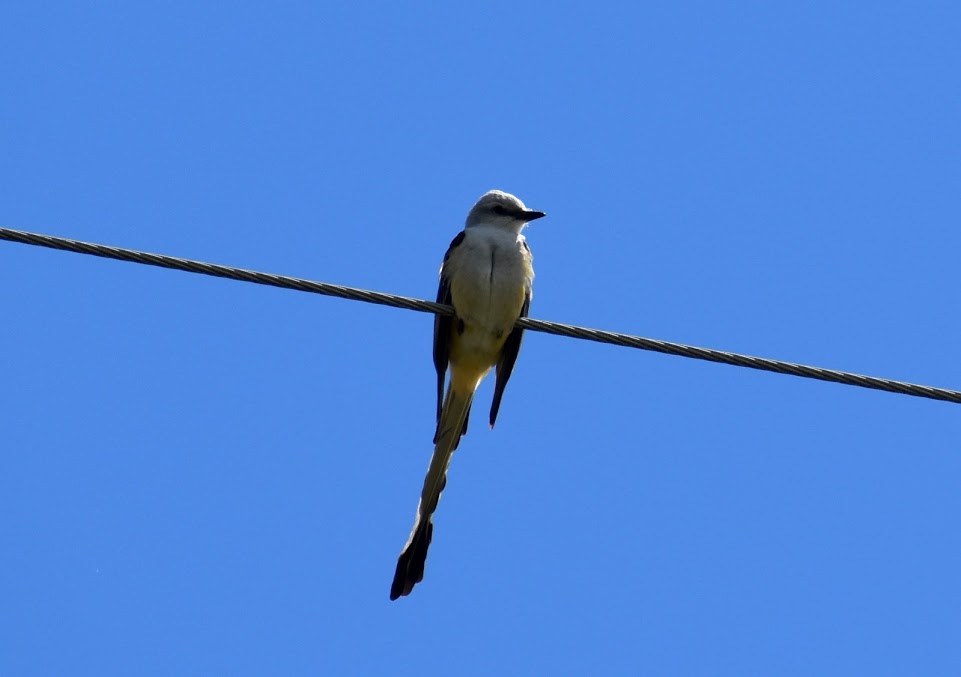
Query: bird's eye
[499, 209]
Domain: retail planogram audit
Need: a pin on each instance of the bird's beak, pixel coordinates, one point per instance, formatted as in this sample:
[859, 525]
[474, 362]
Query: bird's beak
[530, 215]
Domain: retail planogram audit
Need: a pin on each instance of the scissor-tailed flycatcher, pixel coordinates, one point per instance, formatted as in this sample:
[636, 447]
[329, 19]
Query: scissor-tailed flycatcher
[487, 277]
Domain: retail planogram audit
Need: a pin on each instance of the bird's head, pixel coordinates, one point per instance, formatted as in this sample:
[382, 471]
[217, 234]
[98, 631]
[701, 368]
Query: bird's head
[497, 208]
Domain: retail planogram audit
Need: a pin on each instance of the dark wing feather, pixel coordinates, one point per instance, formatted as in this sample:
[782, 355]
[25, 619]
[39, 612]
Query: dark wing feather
[442, 329]
[443, 325]
[505, 363]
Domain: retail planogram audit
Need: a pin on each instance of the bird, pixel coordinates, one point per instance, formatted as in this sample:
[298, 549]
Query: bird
[487, 276]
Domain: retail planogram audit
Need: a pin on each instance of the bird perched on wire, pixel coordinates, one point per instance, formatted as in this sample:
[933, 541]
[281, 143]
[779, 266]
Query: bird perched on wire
[487, 276]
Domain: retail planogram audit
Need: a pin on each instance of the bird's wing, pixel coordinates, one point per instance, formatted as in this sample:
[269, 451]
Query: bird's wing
[505, 362]
[443, 325]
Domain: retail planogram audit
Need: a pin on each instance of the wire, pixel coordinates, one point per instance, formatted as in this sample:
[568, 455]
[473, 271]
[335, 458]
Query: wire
[419, 305]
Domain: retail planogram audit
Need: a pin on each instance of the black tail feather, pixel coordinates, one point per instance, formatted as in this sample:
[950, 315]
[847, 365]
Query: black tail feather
[410, 564]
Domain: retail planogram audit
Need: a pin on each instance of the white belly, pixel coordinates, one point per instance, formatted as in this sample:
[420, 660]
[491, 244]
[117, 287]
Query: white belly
[490, 273]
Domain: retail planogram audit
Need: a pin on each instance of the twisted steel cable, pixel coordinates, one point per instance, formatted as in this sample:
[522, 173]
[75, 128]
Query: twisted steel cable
[419, 305]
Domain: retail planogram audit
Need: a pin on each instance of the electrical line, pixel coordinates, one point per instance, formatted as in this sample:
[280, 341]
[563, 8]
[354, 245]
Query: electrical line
[419, 305]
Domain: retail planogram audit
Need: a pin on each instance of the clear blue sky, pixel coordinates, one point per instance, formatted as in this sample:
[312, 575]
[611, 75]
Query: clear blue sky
[200, 476]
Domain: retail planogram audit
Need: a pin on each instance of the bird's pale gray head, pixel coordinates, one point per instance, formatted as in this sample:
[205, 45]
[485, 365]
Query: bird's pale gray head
[497, 208]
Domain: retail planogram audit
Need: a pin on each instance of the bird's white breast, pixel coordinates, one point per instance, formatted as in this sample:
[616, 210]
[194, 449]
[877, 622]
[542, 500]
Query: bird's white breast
[490, 272]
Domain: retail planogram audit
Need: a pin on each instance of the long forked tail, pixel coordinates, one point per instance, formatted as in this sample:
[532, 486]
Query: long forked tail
[410, 564]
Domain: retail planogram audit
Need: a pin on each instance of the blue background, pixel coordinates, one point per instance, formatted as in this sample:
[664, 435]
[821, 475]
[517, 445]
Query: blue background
[200, 476]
